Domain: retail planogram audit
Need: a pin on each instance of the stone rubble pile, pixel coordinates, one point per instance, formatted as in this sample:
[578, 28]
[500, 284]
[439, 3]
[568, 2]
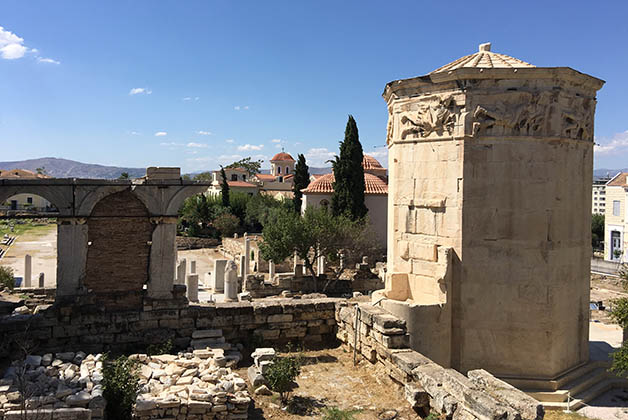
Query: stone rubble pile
[56, 386]
[193, 385]
[263, 358]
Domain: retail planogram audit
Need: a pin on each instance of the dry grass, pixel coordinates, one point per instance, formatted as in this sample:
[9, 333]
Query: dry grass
[561, 415]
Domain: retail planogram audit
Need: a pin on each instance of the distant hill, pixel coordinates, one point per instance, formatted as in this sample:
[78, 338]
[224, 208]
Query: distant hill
[603, 172]
[64, 168]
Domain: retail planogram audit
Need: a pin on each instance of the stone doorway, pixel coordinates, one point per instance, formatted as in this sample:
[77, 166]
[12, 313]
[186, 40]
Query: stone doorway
[118, 251]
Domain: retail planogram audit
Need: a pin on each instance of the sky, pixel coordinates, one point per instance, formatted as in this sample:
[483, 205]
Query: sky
[197, 84]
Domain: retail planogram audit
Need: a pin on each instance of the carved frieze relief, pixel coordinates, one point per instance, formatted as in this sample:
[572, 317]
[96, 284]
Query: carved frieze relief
[546, 114]
[434, 115]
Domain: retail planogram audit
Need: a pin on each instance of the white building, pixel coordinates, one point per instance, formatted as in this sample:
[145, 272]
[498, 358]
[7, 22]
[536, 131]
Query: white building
[598, 198]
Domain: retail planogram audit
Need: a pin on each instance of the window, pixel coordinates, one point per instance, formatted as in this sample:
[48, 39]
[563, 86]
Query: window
[616, 208]
[279, 170]
[29, 200]
[324, 203]
[280, 179]
[234, 177]
[243, 177]
[287, 170]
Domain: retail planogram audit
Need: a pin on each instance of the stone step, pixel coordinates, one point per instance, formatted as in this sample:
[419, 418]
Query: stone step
[578, 385]
[544, 385]
[578, 401]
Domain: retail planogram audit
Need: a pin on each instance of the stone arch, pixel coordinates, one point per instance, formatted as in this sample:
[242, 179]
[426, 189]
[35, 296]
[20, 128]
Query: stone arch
[58, 196]
[119, 245]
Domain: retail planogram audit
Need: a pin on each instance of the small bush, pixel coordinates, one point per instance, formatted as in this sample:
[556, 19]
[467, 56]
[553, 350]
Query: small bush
[620, 361]
[335, 413]
[282, 373]
[227, 224]
[120, 387]
[6, 277]
[161, 348]
[619, 312]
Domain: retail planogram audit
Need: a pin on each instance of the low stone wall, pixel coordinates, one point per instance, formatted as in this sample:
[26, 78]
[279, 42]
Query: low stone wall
[187, 242]
[380, 337]
[69, 325]
[258, 287]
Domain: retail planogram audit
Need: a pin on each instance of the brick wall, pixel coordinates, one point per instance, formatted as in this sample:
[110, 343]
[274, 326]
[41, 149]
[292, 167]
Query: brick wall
[110, 272]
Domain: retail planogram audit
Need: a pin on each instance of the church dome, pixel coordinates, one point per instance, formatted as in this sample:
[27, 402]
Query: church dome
[282, 156]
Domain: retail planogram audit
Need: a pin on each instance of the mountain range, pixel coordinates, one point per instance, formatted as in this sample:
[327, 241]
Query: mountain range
[65, 168]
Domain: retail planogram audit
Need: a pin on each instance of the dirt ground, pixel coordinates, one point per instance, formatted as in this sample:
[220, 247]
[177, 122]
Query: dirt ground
[605, 289]
[41, 243]
[329, 379]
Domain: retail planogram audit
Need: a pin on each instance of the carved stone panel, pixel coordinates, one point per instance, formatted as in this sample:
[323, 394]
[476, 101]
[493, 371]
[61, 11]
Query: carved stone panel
[432, 115]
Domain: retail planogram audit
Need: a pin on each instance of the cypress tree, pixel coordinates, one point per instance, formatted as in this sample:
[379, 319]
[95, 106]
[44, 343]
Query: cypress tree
[301, 181]
[348, 197]
[224, 188]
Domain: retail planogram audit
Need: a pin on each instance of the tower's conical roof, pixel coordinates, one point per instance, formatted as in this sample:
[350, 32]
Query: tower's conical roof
[484, 58]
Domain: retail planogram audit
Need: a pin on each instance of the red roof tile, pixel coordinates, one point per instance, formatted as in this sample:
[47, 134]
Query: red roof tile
[325, 185]
[20, 173]
[282, 156]
[241, 184]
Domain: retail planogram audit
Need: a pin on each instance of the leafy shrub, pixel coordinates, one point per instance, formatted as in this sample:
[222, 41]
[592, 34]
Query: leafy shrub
[620, 360]
[282, 373]
[335, 413]
[161, 348]
[6, 277]
[120, 386]
[619, 313]
[227, 224]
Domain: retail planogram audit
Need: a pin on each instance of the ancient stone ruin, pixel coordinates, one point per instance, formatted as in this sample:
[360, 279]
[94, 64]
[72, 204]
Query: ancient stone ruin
[490, 162]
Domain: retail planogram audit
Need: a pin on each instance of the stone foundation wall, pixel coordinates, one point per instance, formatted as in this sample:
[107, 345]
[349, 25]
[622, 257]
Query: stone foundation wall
[382, 338]
[191, 242]
[258, 288]
[71, 325]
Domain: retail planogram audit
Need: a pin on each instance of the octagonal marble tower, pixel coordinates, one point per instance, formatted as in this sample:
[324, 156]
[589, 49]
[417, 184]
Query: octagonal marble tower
[489, 243]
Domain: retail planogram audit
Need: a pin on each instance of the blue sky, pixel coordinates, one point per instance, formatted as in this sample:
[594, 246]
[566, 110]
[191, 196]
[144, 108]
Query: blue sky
[201, 83]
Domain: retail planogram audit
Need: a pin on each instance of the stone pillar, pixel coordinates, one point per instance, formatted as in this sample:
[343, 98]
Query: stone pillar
[218, 276]
[298, 270]
[163, 256]
[41, 281]
[296, 262]
[192, 287]
[231, 282]
[247, 255]
[321, 265]
[182, 271]
[271, 270]
[241, 272]
[27, 271]
[71, 255]
[193, 267]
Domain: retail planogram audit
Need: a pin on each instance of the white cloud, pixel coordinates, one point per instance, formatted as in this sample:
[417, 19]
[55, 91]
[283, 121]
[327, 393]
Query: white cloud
[140, 91]
[381, 152]
[161, 133]
[275, 141]
[241, 108]
[11, 45]
[135, 133]
[204, 133]
[171, 144]
[248, 147]
[197, 145]
[230, 157]
[47, 60]
[229, 140]
[618, 144]
[191, 98]
[319, 156]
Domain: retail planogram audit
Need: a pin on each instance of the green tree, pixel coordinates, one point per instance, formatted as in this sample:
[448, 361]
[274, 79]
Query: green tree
[124, 175]
[597, 231]
[258, 209]
[204, 177]
[317, 233]
[281, 375]
[224, 186]
[227, 224]
[121, 385]
[348, 196]
[6, 277]
[252, 167]
[41, 171]
[301, 181]
[619, 314]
